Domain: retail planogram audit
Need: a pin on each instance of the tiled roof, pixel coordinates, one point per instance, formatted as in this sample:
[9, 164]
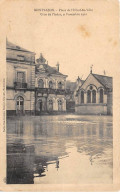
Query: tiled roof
[12, 46]
[104, 80]
[50, 70]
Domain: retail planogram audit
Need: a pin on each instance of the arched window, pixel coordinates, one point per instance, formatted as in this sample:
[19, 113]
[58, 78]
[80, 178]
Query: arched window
[101, 95]
[40, 83]
[82, 97]
[50, 105]
[60, 105]
[50, 84]
[20, 104]
[93, 96]
[88, 96]
[60, 85]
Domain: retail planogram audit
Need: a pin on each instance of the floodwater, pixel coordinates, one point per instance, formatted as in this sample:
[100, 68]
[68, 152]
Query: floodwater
[68, 149]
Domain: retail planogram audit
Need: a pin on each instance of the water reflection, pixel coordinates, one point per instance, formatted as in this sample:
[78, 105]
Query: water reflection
[49, 149]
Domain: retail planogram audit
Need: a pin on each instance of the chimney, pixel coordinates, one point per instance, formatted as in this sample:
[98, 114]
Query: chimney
[104, 73]
[91, 69]
[57, 65]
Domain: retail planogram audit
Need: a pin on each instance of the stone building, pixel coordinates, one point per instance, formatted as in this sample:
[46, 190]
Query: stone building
[94, 96]
[33, 88]
[20, 83]
[50, 88]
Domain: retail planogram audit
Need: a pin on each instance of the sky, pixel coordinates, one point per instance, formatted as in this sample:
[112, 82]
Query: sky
[76, 42]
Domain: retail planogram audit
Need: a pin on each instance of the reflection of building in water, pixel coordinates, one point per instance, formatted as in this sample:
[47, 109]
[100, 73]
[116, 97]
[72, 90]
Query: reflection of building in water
[94, 96]
[93, 139]
[19, 165]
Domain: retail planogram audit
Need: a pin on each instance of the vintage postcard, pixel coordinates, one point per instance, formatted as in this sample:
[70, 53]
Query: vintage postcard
[60, 99]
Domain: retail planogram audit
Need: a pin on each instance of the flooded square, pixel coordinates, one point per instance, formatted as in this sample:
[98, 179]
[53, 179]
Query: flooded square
[62, 149]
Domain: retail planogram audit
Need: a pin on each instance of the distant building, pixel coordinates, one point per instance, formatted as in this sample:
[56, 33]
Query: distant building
[50, 87]
[70, 98]
[94, 96]
[20, 80]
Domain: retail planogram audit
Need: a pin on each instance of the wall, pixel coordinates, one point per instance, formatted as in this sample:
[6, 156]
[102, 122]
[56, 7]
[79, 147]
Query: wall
[91, 109]
[109, 103]
[55, 79]
[29, 100]
[14, 55]
[12, 71]
[91, 80]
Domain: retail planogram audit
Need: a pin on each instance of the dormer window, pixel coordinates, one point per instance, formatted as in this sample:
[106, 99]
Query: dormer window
[60, 85]
[20, 57]
[41, 68]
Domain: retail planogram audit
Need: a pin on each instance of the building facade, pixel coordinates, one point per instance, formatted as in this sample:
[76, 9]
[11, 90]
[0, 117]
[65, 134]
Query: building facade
[20, 82]
[33, 87]
[50, 88]
[36, 87]
[94, 96]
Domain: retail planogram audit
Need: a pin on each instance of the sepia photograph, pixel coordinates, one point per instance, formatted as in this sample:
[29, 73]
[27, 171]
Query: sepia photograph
[59, 89]
[56, 128]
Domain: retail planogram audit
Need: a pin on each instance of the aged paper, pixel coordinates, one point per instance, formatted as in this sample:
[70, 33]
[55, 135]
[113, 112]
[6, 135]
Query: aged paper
[60, 100]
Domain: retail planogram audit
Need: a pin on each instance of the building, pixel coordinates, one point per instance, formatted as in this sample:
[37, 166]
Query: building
[94, 96]
[20, 84]
[50, 88]
[33, 88]
[36, 87]
[70, 98]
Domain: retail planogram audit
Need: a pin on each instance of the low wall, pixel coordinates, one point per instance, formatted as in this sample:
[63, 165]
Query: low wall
[91, 109]
[25, 112]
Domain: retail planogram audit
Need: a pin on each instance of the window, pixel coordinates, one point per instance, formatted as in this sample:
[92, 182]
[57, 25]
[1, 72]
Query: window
[60, 105]
[21, 58]
[20, 104]
[40, 83]
[50, 102]
[88, 96]
[60, 85]
[50, 105]
[21, 77]
[93, 96]
[50, 84]
[20, 100]
[82, 97]
[101, 95]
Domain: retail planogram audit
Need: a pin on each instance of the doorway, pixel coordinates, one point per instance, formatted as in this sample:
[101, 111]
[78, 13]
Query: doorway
[20, 105]
[50, 105]
[59, 105]
[40, 105]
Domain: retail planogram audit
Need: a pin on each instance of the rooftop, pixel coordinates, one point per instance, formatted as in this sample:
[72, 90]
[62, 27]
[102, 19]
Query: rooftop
[106, 81]
[12, 46]
[44, 67]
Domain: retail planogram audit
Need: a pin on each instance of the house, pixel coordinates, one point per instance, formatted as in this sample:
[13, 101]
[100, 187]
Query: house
[50, 87]
[20, 83]
[94, 96]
